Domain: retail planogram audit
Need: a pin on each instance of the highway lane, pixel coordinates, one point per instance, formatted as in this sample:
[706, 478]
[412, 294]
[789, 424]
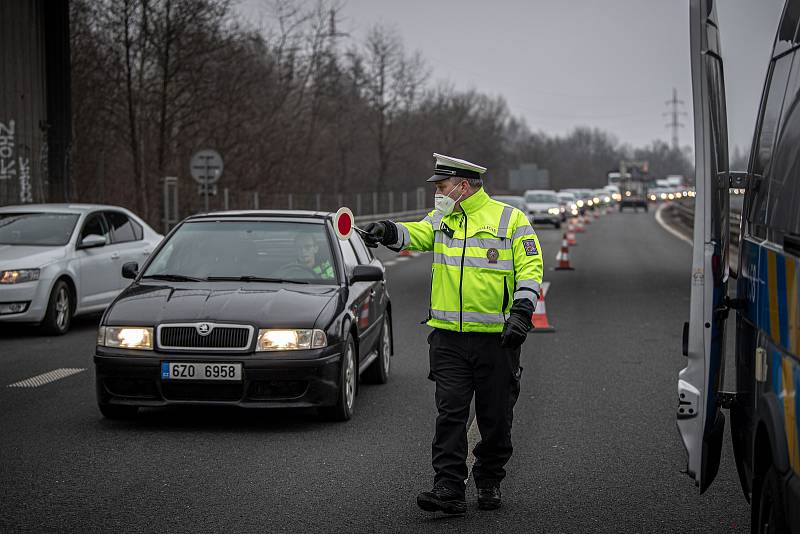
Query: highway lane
[595, 442]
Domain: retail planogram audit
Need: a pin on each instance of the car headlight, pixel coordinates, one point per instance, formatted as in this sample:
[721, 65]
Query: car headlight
[269, 339]
[606, 199]
[652, 197]
[19, 276]
[671, 196]
[574, 211]
[553, 211]
[663, 196]
[589, 202]
[125, 337]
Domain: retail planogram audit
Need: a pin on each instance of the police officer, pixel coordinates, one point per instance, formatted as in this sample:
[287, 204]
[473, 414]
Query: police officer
[487, 271]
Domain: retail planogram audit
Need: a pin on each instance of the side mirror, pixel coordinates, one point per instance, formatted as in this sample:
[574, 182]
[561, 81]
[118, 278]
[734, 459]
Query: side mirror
[366, 273]
[92, 241]
[130, 270]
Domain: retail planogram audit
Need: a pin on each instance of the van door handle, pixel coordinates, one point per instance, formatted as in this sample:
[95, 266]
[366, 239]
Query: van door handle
[115, 255]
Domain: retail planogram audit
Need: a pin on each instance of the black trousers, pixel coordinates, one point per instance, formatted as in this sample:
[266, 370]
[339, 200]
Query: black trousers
[463, 364]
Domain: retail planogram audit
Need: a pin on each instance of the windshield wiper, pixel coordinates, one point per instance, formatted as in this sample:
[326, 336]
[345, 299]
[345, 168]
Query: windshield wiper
[254, 279]
[174, 277]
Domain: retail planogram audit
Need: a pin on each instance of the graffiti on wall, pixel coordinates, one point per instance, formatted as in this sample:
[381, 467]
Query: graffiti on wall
[7, 161]
[14, 165]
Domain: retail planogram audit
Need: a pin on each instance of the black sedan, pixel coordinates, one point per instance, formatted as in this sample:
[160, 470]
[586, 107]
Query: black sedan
[253, 309]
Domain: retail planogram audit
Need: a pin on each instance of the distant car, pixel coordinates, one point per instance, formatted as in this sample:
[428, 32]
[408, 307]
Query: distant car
[261, 309]
[567, 204]
[62, 260]
[514, 201]
[543, 206]
[601, 197]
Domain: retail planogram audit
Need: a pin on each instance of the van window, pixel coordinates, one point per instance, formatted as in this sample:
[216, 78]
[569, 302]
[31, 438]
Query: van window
[782, 184]
[767, 132]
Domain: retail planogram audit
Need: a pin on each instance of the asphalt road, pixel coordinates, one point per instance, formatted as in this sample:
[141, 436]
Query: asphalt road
[596, 448]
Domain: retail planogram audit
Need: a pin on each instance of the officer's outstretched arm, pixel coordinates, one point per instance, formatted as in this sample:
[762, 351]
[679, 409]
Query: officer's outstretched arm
[416, 235]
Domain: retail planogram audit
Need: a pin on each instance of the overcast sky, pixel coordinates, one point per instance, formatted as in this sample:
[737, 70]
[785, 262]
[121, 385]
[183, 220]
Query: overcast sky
[559, 64]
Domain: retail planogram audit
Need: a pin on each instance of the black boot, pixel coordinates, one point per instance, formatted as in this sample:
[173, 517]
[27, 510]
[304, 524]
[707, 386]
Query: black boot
[489, 498]
[442, 499]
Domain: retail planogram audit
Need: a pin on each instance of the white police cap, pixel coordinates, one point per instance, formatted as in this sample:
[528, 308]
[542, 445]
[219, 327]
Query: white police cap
[449, 167]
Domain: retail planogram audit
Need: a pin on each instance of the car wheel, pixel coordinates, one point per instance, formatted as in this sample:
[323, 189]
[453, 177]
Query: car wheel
[58, 317]
[767, 514]
[118, 411]
[557, 225]
[348, 379]
[378, 372]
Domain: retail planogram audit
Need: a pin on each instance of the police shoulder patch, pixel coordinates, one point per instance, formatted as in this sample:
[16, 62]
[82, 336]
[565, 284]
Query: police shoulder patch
[530, 247]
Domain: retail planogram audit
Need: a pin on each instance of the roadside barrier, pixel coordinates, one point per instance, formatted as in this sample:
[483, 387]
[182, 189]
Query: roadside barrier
[539, 318]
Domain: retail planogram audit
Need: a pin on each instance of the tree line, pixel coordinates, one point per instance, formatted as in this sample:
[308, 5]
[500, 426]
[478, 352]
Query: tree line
[293, 106]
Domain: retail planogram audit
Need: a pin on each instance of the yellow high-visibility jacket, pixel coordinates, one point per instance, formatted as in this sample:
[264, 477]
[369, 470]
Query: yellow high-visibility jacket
[484, 258]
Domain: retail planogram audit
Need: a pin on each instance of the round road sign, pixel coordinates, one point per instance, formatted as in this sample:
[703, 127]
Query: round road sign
[206, 166]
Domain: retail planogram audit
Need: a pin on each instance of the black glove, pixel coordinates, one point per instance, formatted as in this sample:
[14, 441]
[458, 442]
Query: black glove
[518, 324]
[381, 232]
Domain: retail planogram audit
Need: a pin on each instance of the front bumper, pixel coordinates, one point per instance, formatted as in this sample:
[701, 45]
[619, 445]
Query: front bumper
[545, 218]
[270, 380]
[36, 294]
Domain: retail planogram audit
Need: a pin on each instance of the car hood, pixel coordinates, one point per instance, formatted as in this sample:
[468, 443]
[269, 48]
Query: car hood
[262, 305]
[29, 257]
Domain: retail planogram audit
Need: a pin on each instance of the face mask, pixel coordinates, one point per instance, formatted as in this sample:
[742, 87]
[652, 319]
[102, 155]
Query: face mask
[444, 204]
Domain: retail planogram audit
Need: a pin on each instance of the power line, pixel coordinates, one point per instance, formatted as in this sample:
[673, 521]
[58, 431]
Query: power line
[674, 123]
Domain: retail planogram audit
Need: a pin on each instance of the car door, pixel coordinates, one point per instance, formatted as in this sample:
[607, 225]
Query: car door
[376, 293]
[360, 298]
[100, 267]
[700, 420]
[127, 240]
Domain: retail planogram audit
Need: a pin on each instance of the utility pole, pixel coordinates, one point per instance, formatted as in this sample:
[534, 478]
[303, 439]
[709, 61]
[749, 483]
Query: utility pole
[674, 122]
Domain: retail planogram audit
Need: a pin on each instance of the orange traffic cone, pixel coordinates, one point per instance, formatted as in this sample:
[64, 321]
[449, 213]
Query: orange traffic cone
[587, 219]
[406, 252]
[571, 241]
[539, 318]
[563, 256]
[579, 225]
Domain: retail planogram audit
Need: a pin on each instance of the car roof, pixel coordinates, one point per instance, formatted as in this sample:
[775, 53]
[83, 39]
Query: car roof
[58, 208]
[296, 214]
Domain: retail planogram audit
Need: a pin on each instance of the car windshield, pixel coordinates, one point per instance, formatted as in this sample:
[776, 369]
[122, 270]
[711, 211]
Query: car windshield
[566, 197]
[37, 229]
[249, 251]
[541, 197]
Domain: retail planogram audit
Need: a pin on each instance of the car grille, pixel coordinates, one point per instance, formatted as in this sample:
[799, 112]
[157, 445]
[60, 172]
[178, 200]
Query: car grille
[221, 337]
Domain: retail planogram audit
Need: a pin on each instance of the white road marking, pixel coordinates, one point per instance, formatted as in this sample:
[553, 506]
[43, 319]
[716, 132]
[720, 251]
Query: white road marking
[668, 228]
[46, 378]
[389, 263]
[402, 258]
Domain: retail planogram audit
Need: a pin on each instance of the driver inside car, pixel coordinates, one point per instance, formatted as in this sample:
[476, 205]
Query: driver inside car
[307, 250]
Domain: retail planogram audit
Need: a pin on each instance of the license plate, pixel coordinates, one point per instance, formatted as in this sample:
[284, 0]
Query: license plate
[230, 372]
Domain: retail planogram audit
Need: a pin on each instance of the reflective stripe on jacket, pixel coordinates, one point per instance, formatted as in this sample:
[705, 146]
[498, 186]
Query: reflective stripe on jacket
[484, 258]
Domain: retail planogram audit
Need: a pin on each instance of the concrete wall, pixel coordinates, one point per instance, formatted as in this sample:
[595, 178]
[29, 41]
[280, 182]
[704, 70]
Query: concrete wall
[34, 101]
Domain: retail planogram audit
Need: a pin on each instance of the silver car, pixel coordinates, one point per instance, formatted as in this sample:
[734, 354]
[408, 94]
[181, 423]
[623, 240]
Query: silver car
[61, 260]
[543, 206]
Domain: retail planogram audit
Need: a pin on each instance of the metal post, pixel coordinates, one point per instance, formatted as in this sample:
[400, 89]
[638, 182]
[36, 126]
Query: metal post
[255, 200]
[318, 202]
[226, 199]
[420, 198]
[374, 202]
[405, 200]
[290, 201]
[339, 201]
[391, 201]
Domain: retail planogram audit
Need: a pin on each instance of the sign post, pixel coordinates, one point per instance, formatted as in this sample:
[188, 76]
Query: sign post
[206, 167]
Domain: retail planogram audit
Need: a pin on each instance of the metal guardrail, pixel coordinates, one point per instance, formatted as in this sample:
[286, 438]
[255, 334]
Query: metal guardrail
[685, 213]
[396, 216]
